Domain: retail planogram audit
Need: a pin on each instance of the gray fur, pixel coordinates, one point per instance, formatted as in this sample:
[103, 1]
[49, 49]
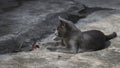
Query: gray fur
[75, 41]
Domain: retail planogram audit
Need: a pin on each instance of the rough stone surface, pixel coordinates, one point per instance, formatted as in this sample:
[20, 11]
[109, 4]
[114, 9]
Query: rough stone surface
[38, 19]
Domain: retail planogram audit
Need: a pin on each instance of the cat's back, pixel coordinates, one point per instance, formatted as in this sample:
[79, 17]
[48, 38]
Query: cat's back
[93, 35]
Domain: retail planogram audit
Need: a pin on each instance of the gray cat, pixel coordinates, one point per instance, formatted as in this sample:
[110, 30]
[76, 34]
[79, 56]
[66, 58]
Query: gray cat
[75, 41]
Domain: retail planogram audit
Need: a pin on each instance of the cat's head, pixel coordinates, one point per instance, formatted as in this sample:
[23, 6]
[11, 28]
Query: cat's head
[65, 27]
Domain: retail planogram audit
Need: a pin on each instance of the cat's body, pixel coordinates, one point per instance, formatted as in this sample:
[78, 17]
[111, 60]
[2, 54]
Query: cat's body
[75, 41]
[94, 40]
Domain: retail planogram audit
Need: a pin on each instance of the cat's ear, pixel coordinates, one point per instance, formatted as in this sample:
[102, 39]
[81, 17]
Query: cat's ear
[63, 21]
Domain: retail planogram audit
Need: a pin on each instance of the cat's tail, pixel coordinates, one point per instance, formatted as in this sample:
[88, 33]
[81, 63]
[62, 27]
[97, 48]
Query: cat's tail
[111, 36]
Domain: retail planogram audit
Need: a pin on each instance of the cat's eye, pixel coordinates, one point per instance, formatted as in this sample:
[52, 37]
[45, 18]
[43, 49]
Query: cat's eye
[62, 27]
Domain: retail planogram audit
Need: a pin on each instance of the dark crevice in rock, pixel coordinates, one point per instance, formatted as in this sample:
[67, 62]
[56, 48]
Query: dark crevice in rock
[74, 13]
[89, 10]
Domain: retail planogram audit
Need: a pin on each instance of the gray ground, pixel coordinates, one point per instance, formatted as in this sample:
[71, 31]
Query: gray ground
[38, 19]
